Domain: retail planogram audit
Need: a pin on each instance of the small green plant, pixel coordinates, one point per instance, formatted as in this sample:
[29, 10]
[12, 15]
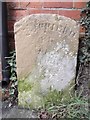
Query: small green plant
[13, 76]
[84, 56]
[53, 97]
[76, 108]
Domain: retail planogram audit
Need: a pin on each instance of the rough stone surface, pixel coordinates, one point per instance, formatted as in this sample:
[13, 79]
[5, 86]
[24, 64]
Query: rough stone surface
[16, 112]
[46, 49]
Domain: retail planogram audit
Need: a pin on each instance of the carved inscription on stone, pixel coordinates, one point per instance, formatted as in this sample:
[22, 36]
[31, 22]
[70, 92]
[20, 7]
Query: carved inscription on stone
[46, 54]
[59, 28]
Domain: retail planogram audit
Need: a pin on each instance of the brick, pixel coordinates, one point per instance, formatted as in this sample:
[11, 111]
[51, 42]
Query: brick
[17, 14]
[11, 34]
[23, 4]
[11, 46]
[58, 5]
[13, 5]
[73, 14]
[31, 4]
[79, 4]
[11, 25]
[35, 11]
[11, 41]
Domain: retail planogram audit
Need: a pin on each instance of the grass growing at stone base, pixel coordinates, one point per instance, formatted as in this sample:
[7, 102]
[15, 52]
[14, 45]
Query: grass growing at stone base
[57, 104]
[76, 108]
[30, 94]
[54, 97]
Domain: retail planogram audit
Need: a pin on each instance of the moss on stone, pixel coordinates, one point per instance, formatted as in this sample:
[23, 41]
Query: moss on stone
[29, 91]
[30, 82]
[24, 86]
[30, 99]
[54, 97]
[30, 95]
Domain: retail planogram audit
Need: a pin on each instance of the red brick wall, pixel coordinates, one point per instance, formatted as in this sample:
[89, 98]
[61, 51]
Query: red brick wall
[18, 10]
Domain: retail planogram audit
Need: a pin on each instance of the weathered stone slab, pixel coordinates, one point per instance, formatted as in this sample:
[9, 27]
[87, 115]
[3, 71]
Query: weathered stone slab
[46, 51]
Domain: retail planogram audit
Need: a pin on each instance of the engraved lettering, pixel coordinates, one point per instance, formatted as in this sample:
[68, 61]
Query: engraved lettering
[55, 27]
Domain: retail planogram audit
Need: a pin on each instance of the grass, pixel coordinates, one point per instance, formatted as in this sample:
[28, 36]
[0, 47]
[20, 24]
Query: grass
[76, 108]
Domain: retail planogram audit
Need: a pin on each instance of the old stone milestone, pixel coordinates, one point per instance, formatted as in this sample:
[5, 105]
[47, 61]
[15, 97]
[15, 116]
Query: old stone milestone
[46, 56]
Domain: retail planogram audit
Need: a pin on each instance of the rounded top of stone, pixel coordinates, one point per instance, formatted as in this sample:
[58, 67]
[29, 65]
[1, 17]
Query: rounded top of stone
[52, 18]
